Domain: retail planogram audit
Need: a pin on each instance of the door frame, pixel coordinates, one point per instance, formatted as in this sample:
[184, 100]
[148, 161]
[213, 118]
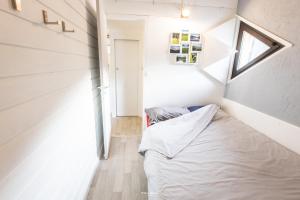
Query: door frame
[138, 81]
[112, 70]
[104, 145]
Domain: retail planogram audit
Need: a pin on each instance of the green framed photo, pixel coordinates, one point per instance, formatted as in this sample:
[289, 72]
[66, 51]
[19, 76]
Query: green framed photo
[193, 58]
[185, 48]
[196, 47]
[175, 49]
[181, 59]
[175, 38]
[185, 37]
[195, 37]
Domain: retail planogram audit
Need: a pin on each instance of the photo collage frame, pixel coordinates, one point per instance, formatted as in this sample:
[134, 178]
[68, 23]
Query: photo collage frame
[186, 47]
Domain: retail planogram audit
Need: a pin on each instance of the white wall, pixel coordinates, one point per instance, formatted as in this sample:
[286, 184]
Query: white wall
[126, 30]
[219, 50]
[164, 82]
[48, 99]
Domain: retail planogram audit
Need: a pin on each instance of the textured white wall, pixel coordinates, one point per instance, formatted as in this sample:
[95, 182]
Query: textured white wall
[48, 100]
[272, 87]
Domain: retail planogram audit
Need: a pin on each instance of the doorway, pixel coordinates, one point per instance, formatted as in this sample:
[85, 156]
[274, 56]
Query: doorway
[127, 77]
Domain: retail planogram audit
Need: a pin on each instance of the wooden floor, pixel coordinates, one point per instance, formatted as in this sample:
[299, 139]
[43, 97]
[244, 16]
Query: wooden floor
[122, 176]
[126, 126]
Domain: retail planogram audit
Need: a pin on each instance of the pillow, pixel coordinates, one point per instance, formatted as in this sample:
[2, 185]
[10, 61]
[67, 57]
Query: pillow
[193, 108]
[158, 114]
[148, 120]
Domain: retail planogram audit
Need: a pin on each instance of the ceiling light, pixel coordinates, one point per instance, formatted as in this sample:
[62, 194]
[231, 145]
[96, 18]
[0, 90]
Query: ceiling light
[185, 12]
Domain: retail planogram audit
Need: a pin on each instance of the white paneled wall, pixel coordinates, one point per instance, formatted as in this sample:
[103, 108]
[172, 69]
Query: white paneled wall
[49, 101]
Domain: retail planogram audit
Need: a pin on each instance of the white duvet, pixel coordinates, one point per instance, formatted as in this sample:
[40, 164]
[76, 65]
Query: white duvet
[201, 157]
[172, 136]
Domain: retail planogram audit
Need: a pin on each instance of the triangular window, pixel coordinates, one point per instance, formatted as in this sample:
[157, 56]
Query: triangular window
[252, 47]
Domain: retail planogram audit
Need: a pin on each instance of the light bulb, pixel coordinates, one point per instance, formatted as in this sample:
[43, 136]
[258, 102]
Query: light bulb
[185, 12]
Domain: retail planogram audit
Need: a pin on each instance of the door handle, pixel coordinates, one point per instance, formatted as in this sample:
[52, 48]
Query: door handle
[103, 87]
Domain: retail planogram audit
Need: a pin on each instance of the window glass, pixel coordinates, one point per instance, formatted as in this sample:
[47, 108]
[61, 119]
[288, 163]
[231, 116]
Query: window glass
[251, 48]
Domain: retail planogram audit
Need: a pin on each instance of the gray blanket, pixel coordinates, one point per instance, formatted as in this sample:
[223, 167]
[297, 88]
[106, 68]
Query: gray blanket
[228, 160]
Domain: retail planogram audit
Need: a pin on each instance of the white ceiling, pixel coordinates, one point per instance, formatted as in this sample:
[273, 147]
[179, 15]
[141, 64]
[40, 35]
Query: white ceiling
[212, 3]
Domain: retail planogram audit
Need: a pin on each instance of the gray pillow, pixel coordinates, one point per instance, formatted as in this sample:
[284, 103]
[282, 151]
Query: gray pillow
[158, 114]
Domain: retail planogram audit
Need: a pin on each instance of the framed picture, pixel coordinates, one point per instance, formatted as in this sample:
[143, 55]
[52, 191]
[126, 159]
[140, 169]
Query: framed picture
[175, 49]
[181, 58]
[195, 37]
[193, 58]
[185, 37]
[196, 47]
[185, 48]
[175, 38]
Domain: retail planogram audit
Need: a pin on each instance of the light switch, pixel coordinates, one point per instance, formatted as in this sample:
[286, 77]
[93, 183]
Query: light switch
[17, 5]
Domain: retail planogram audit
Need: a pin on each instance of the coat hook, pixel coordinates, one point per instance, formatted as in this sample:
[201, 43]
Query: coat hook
[64, 29]
[17, 5]
[45, 18]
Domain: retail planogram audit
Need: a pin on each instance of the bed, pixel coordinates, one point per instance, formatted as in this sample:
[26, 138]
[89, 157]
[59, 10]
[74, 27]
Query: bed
[208, 155]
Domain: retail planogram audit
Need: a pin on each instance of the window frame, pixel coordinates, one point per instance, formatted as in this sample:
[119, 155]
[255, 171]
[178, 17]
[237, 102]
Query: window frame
[273, 44]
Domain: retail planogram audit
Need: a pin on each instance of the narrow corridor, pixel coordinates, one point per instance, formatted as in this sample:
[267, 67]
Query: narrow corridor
[121, 176]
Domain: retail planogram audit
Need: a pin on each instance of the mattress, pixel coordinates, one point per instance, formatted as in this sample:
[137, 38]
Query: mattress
[226, 160]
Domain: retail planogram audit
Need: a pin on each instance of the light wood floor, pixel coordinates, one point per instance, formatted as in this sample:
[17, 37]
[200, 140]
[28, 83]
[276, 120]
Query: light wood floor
[126, 126]
[122, 176]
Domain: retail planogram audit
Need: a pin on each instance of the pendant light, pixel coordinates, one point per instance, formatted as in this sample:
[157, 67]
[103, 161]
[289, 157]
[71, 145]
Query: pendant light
[185, 12]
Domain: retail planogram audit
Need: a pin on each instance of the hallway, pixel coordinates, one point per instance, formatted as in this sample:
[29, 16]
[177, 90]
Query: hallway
[121, 177]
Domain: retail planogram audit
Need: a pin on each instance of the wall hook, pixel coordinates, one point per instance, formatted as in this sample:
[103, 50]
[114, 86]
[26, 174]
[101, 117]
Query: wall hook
[64, 29]
[17, 5]
[45, 18]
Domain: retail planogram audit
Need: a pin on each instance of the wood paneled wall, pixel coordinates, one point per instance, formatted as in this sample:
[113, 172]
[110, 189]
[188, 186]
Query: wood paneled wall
[49, 104]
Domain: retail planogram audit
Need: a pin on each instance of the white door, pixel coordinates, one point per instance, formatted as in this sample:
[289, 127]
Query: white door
[127, 72]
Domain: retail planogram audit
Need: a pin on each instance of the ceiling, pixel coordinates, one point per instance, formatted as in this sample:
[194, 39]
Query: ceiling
[208, 3]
